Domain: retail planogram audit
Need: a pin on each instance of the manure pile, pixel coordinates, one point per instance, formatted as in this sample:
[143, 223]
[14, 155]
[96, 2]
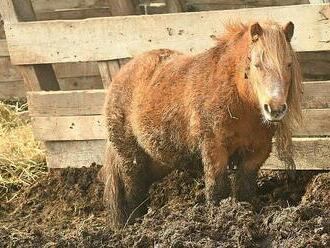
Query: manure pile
[64, 209]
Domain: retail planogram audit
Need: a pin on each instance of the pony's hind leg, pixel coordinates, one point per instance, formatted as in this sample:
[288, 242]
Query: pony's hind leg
[126, 186]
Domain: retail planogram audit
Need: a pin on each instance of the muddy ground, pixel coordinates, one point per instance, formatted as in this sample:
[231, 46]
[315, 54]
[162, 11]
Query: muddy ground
[64, 209]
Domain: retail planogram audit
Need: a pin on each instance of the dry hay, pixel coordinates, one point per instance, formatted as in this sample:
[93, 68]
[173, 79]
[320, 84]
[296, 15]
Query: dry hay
[22, 161]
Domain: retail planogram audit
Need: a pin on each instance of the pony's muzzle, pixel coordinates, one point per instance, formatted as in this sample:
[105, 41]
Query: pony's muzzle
[275, 112]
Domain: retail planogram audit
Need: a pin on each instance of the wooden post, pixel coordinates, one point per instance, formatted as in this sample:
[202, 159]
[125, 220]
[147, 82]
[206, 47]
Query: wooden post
[36, 77]
[124, 7]
[108, 69]
[175, 6]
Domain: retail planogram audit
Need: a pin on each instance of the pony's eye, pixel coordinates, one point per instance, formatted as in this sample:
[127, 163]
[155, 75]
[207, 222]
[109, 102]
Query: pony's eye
[289, 65]
[257, 65]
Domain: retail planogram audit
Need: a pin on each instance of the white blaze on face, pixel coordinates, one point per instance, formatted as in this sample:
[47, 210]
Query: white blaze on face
[273, 104]
[276, 91]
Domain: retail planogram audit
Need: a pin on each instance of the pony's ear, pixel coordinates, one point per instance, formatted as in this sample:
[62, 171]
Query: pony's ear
[288, 31]
[255, 31]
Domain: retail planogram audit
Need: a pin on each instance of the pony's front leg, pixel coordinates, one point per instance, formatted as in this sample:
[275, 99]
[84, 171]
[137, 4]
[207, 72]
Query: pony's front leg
[247, 171]
[215, 159]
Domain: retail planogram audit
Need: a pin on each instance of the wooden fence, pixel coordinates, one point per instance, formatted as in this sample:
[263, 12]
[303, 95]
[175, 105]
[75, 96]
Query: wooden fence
[73, 76]
[70, 122]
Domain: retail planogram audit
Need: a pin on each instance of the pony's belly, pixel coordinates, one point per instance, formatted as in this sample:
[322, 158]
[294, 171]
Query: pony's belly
[160, 130]
[164, 151]
[162, 144]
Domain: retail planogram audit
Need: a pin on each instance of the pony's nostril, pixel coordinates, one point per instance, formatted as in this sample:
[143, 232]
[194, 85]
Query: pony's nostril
[284, 107]
[267, 108]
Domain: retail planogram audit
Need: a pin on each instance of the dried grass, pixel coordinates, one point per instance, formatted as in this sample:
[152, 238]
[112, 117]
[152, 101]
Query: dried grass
[22, 160]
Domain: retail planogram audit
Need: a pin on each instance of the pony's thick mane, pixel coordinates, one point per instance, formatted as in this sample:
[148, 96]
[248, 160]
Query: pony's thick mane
[233, 30]
[275, 45]
[293, 119]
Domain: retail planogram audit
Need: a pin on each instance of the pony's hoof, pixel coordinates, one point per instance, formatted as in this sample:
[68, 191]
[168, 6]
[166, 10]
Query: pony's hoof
[216, 194]
[248, 193]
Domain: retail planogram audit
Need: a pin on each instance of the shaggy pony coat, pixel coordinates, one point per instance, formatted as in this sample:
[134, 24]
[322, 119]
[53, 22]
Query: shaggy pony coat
[166, 110]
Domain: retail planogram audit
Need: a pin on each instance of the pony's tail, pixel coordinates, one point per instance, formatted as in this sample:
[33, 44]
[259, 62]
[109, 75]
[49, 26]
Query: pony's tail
[113, 197]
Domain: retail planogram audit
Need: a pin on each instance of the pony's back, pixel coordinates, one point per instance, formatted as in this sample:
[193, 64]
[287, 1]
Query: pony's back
[120, 92]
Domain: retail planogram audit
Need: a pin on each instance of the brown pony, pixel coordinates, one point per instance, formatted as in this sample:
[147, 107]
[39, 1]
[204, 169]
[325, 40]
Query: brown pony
[166, 110]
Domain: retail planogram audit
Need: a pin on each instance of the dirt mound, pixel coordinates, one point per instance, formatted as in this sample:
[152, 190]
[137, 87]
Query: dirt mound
[306, 225]
[54, 210]
[179, 217]
[65, 209]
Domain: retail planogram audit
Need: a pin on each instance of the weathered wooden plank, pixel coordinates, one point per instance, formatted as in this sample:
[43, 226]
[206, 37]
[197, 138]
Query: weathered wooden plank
[124, 7]
[123, 62]
[7, 11]
[316, 123]
[87, 102]
[316, 95]
[90, 102]
[2, 29]
[86, 40]
[68, 70]
[310, 154]
[39, 77]
[51, 5]
[8, 72]
[16, 89]
[13, 89]
[105, 73]
[30, 77]
[71, 14]
[153, 8]
[207, 5]
[36, 77]
[315, 65]
[108, 70]
[24, 10]
[319, 1]
[175, 6]
[69, 128]
[245, 2]
[81, 83]
[3, 48]
[74, 153]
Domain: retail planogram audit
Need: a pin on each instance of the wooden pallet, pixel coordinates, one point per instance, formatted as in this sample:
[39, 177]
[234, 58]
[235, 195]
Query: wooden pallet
[70, 122]
[86, 75]
[75, 125]
[70, 76]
